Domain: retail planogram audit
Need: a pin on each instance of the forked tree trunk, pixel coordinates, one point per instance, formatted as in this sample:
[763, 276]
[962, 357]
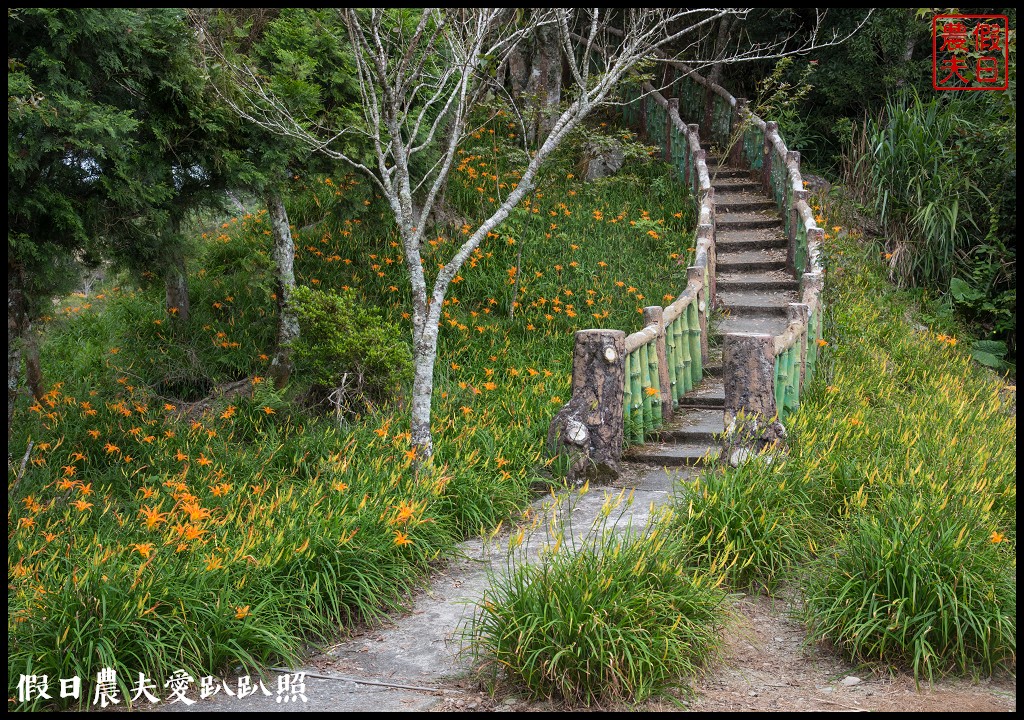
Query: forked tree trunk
[284, 259]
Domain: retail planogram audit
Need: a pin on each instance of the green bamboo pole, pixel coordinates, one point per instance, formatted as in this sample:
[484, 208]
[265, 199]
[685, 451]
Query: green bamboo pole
[671, 351]
[645, 384]
[779, 388]
[795, 372]
[627, 399]
[684, 345]
[681, 351]
[652, 357]
[696, 360]
[637, 396]
[812, 345]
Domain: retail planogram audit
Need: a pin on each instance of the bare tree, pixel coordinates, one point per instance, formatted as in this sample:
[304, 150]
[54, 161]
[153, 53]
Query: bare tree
[420, 75]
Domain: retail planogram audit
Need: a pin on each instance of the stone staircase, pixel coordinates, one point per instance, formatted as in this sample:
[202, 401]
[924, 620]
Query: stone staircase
[753, 288]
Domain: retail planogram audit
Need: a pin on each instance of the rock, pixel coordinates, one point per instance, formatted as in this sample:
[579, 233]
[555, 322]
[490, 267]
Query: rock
[739, 456]
[599, 162]
[850, 680]
[815, 183]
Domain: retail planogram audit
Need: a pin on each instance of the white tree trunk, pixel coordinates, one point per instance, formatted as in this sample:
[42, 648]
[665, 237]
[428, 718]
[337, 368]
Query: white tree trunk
[424, 357]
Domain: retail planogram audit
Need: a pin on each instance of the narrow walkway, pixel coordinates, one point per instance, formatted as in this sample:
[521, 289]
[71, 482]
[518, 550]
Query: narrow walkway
[754, 289]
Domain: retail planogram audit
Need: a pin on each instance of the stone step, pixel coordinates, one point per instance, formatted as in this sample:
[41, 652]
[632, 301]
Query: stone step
[728, 241]
[762, 325]
[731, 185]
[713, 370]
[708, 395]
[721, 172]
[778, 281]
[665, 455]
[745, 220]
[692, 427]
[743, 202]
[757, 303]
[737, 265]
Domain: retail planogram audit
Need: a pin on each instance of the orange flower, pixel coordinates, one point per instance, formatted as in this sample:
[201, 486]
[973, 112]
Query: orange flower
[268, 410]
[401, 538]
[241, 612]
[821, 343]
[153, 516]
[95, 434]
[143, 549]
[111, 448]
[82, 505]
[997, 537]
[203, 460]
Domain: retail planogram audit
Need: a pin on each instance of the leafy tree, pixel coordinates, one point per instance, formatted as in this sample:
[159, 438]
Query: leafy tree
[297, 52]
[69, 77]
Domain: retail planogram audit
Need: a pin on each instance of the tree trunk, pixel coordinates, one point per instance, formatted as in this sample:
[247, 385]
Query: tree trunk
[545, 84]
[176, 278]
[14, 330]
[22, 344]
[423, 358]
[284, 259]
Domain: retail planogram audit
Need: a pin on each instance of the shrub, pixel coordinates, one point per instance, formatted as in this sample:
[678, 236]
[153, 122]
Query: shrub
[755, 520]
[924, 581]
[617, 617]
[348, 350]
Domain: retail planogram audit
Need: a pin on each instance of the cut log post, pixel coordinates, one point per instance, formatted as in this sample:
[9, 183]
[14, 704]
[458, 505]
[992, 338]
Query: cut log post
[588, 429]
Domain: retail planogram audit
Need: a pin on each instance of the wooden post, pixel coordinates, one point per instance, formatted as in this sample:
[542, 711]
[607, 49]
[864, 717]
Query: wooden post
[748, 373]
[693, 139]
[655, 315]
[695, 274]
[589, 427]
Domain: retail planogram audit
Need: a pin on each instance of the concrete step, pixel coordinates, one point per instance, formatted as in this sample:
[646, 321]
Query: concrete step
[743, 202]
[694, 426]
[665, 455]
[721, 172]
[745, 220]
[778, 281]
[755, 303]
[757, 325]
[737, 184]
[727, 241]
[708, 395]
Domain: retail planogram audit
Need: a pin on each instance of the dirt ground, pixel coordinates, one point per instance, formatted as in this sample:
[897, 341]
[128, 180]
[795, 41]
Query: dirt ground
[765, 667]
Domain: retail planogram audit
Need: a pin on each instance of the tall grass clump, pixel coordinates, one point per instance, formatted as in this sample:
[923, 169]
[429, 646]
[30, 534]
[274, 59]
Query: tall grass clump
[612, 616]
[940, 174]
[920, 583]
[756, 521]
